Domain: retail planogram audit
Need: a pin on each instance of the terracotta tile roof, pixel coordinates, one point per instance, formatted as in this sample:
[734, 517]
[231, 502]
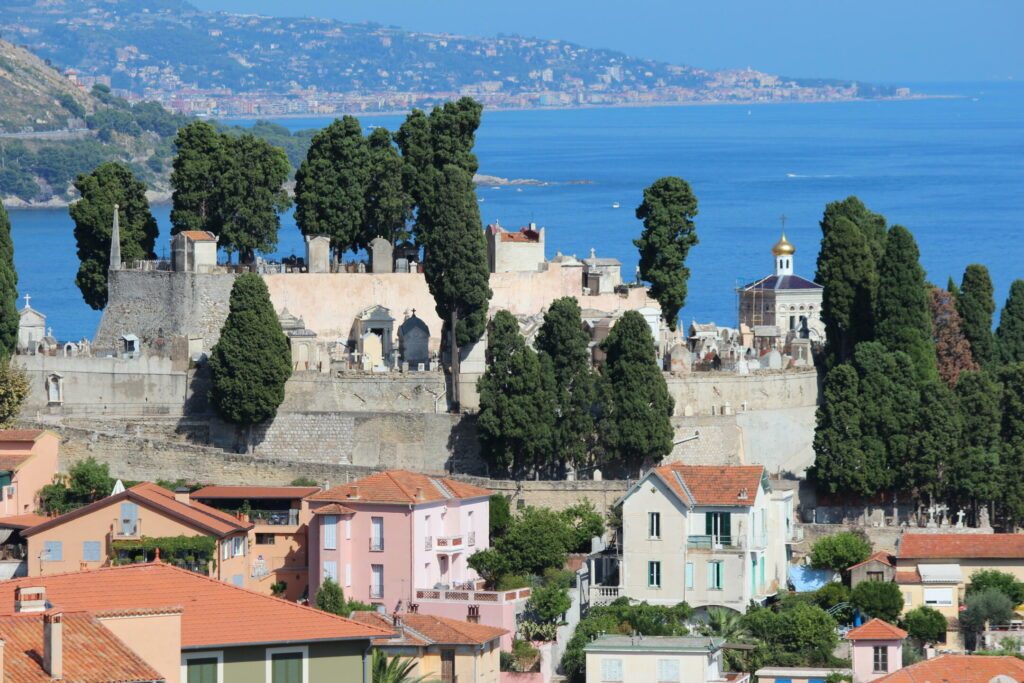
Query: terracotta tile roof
[253, 492]
[92, 654]
[400, 486]
[957, 669]
[199, 235]
[433, 630]
[404, 638]
[333, 509]
[20, 434]
[25, 521]
[881, 556]
[956, 546]
[214, 613]
[203, 517]
[904, 577]
[876, 629]
[712, 484]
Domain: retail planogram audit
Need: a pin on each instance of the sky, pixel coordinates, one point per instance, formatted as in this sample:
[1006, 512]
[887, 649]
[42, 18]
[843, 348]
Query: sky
[906, 41]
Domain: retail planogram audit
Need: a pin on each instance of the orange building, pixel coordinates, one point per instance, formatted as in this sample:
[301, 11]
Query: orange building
[28, 462]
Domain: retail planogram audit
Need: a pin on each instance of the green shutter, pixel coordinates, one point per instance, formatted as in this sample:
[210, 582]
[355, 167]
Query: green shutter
[202, 670]
[286, 668]
[709, 528]
[726, 524]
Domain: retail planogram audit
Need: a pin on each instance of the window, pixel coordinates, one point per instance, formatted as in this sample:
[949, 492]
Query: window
[654, 574]
[908, 598]
[376, 581]
[876, 576]
[715, 575]
[331, 571]
[129, 519]
[330, 532]
[348, 529]
[225, 549]
[287, 665]
[264, 539]
[202, 667]
[377, 534]
[654, 525]
[668, 671]
[938, 596]
[718, 525]
[90, 551]
[53, 551]
[881, 659]
[689, 574]
[348, 574]
[611, 670]
[238, 546]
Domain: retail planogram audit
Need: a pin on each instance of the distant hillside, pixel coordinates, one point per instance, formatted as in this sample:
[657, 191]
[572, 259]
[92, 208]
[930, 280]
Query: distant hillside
[32, 95]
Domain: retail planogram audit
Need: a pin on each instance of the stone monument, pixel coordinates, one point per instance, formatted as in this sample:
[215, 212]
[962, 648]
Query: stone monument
[382, 254]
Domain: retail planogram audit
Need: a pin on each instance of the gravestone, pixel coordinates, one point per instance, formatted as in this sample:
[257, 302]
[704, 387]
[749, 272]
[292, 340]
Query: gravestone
[318, 254]
[773, 360]
[413, 341]
[373, 352]
[679, 360]
[800, 350]
[382, 254]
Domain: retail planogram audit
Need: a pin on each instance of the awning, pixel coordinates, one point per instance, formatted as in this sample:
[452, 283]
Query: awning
[940, 573]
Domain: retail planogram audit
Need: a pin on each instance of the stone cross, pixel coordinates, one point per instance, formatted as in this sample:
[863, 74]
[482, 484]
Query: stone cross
[931, 515]
[960, 518]
[28, 298]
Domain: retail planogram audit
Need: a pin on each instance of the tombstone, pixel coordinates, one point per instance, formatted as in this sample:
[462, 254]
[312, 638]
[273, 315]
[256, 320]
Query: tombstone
[679, 360]
[373, 352]
[773, 360]
[742, 367]
[401, 265]
[800, 350]
[983, 522]
[382, 254]
[414, 340]
[361, 267]
[318, 253]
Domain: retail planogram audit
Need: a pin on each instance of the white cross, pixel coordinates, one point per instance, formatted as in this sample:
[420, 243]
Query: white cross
[28, 298]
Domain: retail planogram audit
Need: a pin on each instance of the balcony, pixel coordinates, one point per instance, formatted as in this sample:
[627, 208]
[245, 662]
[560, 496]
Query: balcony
[126, 529]
[376, 592]
[796, 535]
[603, 595]
[715, 542]
[259, 570]
[275, 517]
[376, 545]
[449, 544]
[467, 596]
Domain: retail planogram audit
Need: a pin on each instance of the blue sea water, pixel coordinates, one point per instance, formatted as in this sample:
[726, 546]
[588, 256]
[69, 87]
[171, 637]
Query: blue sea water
[951, 170]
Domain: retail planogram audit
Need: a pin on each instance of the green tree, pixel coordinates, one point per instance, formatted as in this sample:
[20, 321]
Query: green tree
[727, 624]
[925, 624]
[304, 481]
[901, 310]
[585, 522]
[969, 480]
[395, 670]
[987, 606]
[195, 176]
[939, 439]
[800, 635]
[1011, 462]
[1004, 582]
[14, 389]
[537, 539]
[331, 185]
[250, 196]
[516, 403]
[976, 304]
[9, 316]
[330, 598]
[549, 602]
[388, 206]
[1010, 333]
[491, 565]
[565, 343]
[952, 350]
[872, 225]
[500, 516]
[848, 272]
[878, 599]
[87, 482]
[840, 461]
[834, 598]
[413, 138]
[840, 551]
[667, 211]
[636, 427]
[251, 362]
[109, 184]
[456, 262]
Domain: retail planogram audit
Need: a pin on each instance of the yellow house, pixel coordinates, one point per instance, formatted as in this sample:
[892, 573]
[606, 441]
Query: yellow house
[445, 650]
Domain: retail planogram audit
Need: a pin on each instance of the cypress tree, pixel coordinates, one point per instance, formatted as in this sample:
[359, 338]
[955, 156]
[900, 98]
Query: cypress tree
[872, 225]
[195, 175]
[251, 361]
[636, 427]
[1010, 334]
[952, 288]
[903, 320]
[413, 138]
[9, 318]
[388, 206]
[840, 463]
[667, 211]
[563, 343]
[846, 270]
[516, 407]
[108, 184]
[331, 185]
[939, 438]
[976, 304]
[1012, 436]
[970, 477]
[952, 350]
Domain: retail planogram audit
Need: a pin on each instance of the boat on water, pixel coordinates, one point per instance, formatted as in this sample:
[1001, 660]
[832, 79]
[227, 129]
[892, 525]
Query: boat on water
[615, 205]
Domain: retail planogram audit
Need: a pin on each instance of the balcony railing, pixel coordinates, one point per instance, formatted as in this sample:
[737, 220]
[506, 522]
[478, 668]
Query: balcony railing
[796, 535]
[602, 595]
[125, 528]
[494, 597]
[376, 545]
[376, 592]
[275, 517]
[714, 542]
[259, 570]
[449, 544]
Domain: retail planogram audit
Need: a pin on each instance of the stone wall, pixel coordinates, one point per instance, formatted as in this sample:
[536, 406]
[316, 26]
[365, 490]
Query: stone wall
[414, 392]
[717, 393]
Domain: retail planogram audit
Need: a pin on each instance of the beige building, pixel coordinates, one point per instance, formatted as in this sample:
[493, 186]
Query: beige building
[783, 300]
[194, 251]
[701, 534]
[657, 659]
[512, 252]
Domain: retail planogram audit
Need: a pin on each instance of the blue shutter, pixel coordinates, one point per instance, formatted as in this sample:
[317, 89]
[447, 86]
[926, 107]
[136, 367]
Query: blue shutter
[129, 518]
[54, 551]
[238, 580]
[90, 551]
[689, 574]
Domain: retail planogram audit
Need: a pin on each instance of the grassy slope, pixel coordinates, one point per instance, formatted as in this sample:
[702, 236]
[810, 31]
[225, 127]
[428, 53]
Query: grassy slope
[29, 92]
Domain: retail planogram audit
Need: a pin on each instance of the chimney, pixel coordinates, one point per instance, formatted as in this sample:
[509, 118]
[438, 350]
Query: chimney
[53, 645]
[419, 493]
[30, 599]
[183, 495]
[355, 491]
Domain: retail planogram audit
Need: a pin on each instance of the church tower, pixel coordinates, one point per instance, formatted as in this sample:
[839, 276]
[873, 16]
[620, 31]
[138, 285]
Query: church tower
[783, 252]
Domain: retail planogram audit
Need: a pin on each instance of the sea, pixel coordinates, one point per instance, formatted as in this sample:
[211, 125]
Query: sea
[950, 169]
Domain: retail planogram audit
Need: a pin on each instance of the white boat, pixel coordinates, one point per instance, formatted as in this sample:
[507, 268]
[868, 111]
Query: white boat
[615, 205]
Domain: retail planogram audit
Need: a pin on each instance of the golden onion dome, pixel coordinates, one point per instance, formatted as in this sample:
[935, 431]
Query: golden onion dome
[783, 247]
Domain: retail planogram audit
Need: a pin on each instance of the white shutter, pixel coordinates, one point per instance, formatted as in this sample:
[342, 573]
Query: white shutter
[938, 596]
[668, 671]
[331, 571]
[348, 574]
[225, 549]
[348, 529]
[330, 523]
[611, 670]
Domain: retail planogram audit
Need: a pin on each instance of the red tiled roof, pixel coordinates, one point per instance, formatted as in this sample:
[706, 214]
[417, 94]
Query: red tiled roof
[400, 486]
[254, 492]
[881, 556]
[956, 546]
[405, 637]
[199, 235]
[201, 516]
[433, 630]
[20, 434]
[904, 577]
[92, 654]
[713, 484]
[957, 669]
[333, 509]
[214, 613]
[876, 629]
[25, 521]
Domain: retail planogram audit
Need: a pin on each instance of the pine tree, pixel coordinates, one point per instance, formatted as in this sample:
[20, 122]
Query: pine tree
[331, 185]
[872, 225]
[251, 362]
[388, 206]
[9, 317]
[636, 426]
[413, 138]
[250, 196]
[847, 271]
[971, 479]
[840, 463]
[901, 310]
[952, 350]
[564, 343]
[197, 168]
[667, 211]
[1010, 334]
[1011, 470]
[109, 184]
[952, 288]
[939, 441]
[516, 403]
[976, 304]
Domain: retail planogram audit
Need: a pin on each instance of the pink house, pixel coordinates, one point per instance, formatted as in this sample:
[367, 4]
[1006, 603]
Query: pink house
[28, 462]
[400, 538]
[876, 650]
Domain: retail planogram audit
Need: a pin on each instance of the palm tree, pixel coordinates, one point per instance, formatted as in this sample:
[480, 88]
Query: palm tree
[727, 624]
[398, 670]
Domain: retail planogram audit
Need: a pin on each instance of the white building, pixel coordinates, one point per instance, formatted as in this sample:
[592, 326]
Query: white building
[657, 659]
[702, 534]
[513, 252]
[784, 300]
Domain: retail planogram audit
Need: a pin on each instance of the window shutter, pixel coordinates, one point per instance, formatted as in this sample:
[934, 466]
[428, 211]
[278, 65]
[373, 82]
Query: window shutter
[348, 529]
[668, 671]
[689, 574]
[709, 521]
[711, 574]
[90, 551]
[331, 571]
[348, 574]
[54, 550]
[330, 532]
[726, 524]
[611, 669]
[225, 549]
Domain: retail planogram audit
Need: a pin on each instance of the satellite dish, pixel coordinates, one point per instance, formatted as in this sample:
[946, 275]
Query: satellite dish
[118, 488]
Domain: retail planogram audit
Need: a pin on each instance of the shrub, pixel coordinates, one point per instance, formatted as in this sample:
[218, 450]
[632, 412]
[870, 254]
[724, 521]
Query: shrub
[879, 599]
[1005, 583]
[991, 605]
[841, 551]
[925, 624]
